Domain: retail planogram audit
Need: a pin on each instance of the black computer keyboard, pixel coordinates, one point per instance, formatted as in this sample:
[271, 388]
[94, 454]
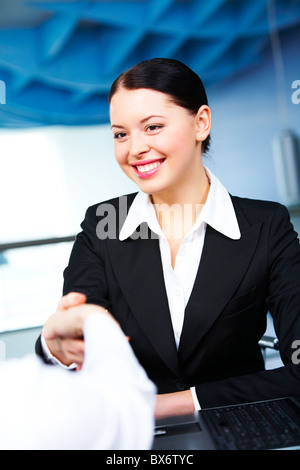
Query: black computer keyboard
[261, 425]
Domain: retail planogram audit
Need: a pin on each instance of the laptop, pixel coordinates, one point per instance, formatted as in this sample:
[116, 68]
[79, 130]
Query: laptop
[261, 425]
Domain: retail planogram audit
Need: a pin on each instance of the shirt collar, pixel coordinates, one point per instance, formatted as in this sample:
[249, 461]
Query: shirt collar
[218, 212]
[141, 210]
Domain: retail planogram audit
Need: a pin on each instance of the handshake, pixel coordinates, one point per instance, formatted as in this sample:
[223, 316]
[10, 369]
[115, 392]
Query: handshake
[63, 331]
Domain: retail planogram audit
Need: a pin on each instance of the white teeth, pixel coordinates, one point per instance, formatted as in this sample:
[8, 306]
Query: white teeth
[149, 167]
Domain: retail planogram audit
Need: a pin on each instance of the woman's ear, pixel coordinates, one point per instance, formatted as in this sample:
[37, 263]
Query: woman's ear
[203, 123]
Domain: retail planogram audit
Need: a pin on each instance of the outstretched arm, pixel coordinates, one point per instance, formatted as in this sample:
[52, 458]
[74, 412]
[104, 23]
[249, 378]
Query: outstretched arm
[108, 404]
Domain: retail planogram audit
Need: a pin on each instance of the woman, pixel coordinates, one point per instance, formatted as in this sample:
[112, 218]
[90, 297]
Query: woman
[188, 271]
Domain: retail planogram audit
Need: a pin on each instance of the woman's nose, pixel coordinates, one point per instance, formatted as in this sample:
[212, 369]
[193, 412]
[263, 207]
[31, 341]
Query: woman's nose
[138, 146]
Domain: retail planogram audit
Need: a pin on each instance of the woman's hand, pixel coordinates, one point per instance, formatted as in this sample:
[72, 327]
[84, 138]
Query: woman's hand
[171, 404]
[63, 331]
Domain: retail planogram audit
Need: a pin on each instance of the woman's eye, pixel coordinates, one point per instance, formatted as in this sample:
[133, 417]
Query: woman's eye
[153, 127]
[119, 135]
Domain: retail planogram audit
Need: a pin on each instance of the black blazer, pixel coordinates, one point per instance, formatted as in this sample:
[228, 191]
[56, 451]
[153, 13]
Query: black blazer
[237, 283]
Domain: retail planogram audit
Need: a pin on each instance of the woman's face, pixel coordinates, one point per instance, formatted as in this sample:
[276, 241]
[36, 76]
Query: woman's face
[157, 143]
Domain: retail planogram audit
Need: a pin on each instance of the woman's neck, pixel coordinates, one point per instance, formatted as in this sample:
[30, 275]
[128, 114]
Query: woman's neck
[177, 210]
[194, 191]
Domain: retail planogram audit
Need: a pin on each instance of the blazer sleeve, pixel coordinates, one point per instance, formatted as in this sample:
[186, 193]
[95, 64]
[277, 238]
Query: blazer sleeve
[85, 272]
[283, 302]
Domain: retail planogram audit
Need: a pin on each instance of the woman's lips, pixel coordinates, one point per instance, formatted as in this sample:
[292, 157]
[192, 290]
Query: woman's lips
[148, 169]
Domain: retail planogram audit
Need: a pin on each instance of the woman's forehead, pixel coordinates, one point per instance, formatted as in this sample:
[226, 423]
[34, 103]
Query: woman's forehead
[142, 101]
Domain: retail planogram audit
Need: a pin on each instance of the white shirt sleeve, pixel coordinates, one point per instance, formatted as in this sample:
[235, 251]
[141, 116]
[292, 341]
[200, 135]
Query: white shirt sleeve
[52, 359]
[195, 399]
[109, 404]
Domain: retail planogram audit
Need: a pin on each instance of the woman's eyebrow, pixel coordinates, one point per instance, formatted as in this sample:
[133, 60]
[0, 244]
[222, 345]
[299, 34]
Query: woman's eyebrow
[141, 121]
[152, 116]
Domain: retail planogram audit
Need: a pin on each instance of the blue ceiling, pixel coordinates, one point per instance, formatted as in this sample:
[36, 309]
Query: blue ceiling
[59, 58]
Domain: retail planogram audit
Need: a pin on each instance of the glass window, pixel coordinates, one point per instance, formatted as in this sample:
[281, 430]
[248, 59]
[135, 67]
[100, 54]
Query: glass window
[31, 282]
[49, 176]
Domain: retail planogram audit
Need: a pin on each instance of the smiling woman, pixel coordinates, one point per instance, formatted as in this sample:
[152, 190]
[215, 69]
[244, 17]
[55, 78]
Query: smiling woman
[194, 306]
[160, 152]
[171, 77]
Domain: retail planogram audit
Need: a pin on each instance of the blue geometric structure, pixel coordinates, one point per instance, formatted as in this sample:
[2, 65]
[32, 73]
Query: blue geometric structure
[58, 66]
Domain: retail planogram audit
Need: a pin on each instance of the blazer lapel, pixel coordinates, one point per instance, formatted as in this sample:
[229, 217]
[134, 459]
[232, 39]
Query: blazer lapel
[138, 266]
[223, 264]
